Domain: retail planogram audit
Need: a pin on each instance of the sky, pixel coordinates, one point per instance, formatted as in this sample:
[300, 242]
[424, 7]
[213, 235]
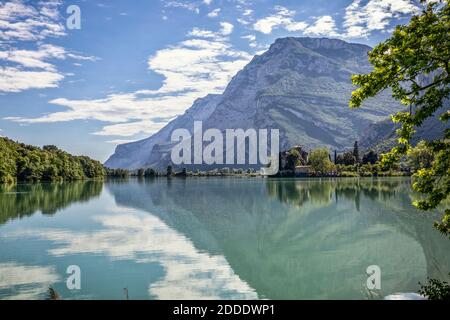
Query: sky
[134, 65]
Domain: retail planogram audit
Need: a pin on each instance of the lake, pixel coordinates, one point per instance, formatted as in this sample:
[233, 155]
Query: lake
[217, 238]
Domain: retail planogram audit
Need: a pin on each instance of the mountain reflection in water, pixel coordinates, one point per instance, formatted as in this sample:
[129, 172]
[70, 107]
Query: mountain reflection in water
[219, 238]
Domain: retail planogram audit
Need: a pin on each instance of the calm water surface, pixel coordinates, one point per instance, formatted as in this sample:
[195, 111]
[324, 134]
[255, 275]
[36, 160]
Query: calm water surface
[216, 238]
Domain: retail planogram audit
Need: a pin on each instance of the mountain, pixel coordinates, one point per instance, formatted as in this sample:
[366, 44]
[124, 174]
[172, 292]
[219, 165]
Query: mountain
[381, 136]
[300, 86]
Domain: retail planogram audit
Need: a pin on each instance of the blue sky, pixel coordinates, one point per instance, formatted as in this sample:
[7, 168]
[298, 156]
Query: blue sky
[136, 64]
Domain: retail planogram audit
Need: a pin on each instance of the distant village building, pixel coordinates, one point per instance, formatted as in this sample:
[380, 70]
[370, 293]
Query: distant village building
[303, 171]
[295, 160]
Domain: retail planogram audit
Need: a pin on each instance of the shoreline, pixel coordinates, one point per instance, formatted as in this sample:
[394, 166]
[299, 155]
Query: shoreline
[134, 177]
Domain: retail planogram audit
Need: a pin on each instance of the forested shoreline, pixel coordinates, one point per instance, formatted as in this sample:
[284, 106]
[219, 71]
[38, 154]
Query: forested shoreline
[21, 162]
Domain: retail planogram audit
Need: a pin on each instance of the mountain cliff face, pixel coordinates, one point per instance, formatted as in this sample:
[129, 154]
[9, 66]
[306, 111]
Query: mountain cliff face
[382, 136]
[300, 86]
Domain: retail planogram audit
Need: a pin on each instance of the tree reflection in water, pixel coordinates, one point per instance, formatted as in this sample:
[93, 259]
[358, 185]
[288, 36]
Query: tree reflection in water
[21, 200]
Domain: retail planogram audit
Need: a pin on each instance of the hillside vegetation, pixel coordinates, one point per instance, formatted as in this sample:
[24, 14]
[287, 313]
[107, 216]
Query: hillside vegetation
[20, 162]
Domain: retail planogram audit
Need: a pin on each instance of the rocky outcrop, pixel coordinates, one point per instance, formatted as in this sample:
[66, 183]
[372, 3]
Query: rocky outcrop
[300, 86]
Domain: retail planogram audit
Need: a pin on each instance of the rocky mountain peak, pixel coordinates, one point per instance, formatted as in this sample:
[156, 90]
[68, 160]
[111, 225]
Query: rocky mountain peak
[316, 44]
[300, 86]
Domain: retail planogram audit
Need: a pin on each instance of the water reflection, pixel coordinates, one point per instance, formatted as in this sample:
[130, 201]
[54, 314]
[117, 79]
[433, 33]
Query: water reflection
[25, 282]
[224, 238]
[325, 191]
[21, 200]
[189, 274]
[301, 238]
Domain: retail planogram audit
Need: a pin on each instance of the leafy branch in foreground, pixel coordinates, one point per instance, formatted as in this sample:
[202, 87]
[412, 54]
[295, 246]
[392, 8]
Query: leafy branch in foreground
[435, 290]
[414, 64]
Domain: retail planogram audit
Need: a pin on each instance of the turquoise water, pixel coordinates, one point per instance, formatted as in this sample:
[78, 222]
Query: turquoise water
[206, 238]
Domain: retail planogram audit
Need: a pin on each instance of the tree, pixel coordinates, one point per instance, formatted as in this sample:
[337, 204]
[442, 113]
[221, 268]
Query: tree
[319, 160]
[370, 157]
[348, 159]
[169, 171]
[50, 173]
[356, 152]
[292, 160]
[118, 173]
[50, 148]
[141, 172]
[414, 64]
[435, 290]
[20, 162]
[150, 172]
[420, 157]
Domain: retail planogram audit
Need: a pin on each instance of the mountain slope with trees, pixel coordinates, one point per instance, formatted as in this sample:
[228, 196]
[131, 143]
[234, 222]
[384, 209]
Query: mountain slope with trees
[20, 162]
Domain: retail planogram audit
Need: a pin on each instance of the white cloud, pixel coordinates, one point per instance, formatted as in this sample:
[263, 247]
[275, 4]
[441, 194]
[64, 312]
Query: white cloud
[296, 26]
[19, 21]
[16, 80]
[193, 68]
[243, 21]
[251, 39]
[81, 57]
[282, 18]
[323, 26]
[191, 6]
[196, 32]
[227, 28]
[214, 13]
[207, 2]
[31, 68]
[26, 282]
[361, 18]
[143, 238]
[120, 141]
[246, 14]
[38, 58]
[34, 58]
[130, 129]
